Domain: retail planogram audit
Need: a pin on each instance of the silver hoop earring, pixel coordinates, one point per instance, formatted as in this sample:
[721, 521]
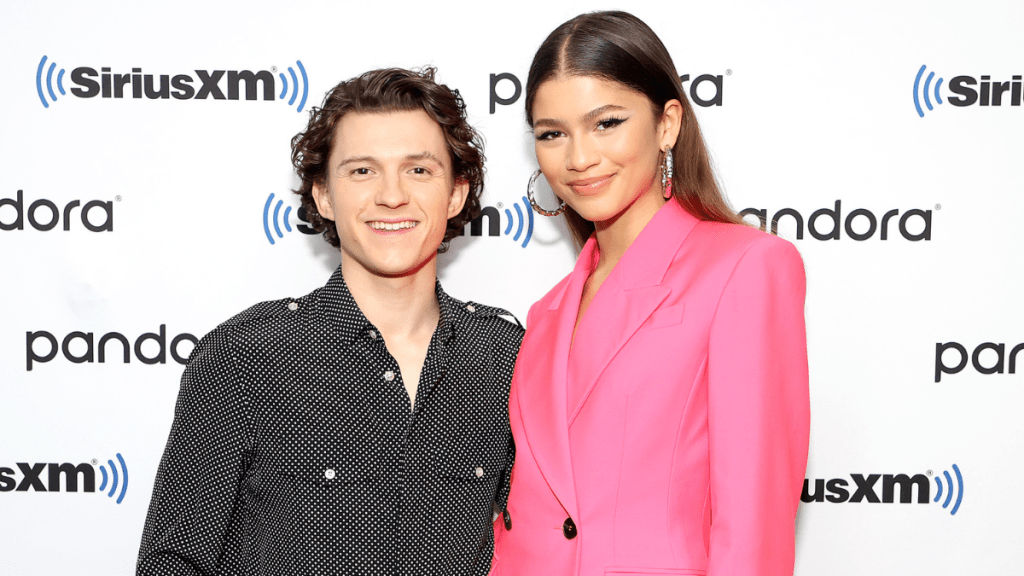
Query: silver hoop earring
[531, 188]
[666, 173]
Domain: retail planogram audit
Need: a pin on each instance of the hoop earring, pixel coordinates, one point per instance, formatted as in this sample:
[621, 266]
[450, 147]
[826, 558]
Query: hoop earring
[666, 173]
[531, 188]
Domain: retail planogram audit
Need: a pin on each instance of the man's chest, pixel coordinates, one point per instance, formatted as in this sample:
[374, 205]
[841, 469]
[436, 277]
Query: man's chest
[348, 415]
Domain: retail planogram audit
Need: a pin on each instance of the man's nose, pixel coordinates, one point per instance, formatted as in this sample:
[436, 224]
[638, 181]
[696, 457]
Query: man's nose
[391, 192]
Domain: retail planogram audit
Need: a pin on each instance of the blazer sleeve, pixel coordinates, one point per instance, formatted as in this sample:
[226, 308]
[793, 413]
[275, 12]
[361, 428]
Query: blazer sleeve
[758, 413]
[197, 483]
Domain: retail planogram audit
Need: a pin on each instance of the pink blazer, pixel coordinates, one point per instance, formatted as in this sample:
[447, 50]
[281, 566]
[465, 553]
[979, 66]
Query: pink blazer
[687, 450]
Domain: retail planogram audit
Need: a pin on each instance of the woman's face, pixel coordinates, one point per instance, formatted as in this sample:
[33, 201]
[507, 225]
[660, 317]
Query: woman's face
[599, 144]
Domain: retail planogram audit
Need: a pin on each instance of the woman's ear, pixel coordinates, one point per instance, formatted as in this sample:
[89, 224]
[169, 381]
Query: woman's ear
[669, 124]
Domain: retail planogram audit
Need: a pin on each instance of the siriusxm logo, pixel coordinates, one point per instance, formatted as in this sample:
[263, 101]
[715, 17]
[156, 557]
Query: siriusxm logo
[88, 83]
[988, 93]
[838, 490]
[31, 477]
[521, 221]
[277, 219]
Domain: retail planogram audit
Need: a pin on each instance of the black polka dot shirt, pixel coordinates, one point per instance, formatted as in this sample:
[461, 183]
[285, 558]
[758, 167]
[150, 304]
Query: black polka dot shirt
[294, 449]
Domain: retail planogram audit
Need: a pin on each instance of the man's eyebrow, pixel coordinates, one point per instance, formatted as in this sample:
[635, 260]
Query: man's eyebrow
[587, 118]
[353, 159]
[425, 155]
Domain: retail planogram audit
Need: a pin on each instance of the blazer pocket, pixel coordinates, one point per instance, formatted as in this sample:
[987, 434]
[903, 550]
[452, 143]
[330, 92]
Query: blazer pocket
[647, 571]
[667, 316]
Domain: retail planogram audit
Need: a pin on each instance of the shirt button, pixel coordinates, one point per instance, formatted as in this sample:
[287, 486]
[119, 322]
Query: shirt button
[293, 306]
[329, 474]
[507, 518]
[373, 334]
[389, 375]
[569, 529]
[479, 472]
[471, 308]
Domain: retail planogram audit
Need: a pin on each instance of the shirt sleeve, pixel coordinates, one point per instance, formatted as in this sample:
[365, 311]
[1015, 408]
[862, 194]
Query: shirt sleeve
[505, 487]
[507, 368]
[758, 413]
[197, 483]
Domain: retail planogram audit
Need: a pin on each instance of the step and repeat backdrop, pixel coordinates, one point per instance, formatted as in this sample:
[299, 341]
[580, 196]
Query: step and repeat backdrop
[145, 197]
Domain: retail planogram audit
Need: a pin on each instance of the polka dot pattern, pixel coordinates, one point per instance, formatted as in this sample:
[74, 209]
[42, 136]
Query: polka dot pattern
[294, 449]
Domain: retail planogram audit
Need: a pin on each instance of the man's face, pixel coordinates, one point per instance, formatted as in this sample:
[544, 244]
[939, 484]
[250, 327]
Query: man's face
[390, 191]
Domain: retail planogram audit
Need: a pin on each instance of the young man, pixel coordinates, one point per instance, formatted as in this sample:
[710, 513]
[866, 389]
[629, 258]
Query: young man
[361, 429]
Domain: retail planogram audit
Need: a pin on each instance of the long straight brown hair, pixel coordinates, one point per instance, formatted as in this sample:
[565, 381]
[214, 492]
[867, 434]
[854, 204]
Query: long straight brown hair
[618, 46]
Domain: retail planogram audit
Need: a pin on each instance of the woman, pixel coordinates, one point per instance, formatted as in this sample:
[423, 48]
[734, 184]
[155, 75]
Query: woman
[660, 403]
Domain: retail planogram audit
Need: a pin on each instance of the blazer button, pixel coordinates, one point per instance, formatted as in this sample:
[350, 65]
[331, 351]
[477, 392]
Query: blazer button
[569, 529]
[508, 519]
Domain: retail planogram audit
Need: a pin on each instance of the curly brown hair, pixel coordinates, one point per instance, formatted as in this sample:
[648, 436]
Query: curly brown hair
[383, 91]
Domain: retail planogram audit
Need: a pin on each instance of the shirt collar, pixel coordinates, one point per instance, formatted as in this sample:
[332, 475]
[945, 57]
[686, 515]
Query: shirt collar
[345, 317]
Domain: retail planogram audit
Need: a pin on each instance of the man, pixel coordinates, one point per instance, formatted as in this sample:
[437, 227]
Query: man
[361, 429]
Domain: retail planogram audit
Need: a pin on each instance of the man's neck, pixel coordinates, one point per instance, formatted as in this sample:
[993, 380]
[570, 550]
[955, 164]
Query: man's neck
[399, 306]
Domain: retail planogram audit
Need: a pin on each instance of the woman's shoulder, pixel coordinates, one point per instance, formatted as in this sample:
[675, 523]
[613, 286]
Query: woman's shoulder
[724, 250]
[737, 240]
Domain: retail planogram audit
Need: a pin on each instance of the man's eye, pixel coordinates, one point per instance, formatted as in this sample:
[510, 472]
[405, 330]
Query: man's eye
[361, 171]
[421, 171]
[549, 135]
[609, 123]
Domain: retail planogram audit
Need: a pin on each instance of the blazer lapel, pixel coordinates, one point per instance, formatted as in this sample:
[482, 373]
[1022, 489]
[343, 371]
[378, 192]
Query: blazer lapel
[630, 294]
[613, 317]
[541, 373]
[626, 299]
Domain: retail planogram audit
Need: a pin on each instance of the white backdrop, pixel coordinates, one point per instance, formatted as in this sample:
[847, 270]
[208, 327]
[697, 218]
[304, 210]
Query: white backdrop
[817, 107]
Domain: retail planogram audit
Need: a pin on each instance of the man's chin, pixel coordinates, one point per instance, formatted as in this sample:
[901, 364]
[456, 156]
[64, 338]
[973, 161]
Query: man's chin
[401, 269]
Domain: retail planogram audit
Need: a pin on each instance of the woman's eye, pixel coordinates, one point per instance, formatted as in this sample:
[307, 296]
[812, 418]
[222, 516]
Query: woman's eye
[549, 135]
[609, 123]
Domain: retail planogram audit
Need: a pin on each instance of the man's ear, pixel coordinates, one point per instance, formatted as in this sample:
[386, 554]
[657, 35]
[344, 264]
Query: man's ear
[324, 204]
[458, 198]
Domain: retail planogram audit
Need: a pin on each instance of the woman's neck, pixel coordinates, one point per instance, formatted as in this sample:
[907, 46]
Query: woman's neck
[614, 236]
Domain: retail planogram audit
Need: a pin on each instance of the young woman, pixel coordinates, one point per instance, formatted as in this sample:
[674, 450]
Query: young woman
[660, 400]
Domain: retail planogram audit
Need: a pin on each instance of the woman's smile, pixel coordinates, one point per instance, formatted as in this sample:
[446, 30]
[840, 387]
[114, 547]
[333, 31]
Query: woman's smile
[590, 186]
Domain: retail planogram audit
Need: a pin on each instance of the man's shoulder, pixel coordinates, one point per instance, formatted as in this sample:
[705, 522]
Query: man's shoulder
[492, 322]
[262, 325]
[282, 311]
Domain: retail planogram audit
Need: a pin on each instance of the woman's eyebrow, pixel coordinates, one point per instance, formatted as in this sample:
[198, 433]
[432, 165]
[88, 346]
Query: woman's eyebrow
[549, 122]
[590, 116]
[587, 118]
